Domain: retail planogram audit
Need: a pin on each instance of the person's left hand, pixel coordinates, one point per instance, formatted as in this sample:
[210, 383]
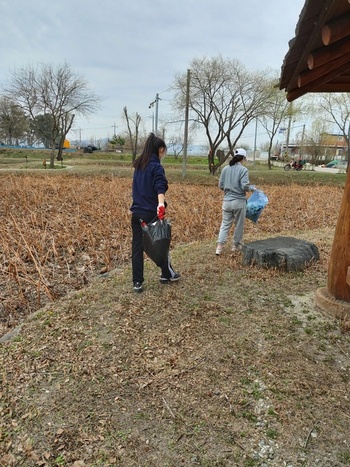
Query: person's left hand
[161, 211]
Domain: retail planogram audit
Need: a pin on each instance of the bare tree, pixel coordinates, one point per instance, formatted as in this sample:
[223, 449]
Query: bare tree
[315, 140]
[133, 132]
[224, 99]
[276, 109]
[174, 137]
[53, 90]
[336, 106]
[13, 121]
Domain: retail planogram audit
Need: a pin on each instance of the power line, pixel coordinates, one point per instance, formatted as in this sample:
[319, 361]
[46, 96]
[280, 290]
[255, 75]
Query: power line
[167, 90]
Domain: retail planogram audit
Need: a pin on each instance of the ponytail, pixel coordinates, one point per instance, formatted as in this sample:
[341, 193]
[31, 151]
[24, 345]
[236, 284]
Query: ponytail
[236, 159]
[152, 146]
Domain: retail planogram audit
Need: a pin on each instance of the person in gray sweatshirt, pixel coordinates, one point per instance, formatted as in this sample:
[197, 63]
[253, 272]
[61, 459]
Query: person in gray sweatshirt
[234, 181]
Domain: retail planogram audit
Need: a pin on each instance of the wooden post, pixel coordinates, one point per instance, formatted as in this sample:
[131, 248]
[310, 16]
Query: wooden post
[339, 262]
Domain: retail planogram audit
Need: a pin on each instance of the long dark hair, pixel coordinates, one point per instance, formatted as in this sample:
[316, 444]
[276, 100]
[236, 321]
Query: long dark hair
[152, 146]
[236, 159]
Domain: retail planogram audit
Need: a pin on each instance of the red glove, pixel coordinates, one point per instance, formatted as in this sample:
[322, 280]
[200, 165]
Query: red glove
[161, 211]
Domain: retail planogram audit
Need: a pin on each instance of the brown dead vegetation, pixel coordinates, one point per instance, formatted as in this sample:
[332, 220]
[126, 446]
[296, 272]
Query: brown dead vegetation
[57, 233]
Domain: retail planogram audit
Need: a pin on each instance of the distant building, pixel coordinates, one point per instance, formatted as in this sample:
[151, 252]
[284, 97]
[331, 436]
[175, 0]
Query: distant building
[334, 144]
[329, 146]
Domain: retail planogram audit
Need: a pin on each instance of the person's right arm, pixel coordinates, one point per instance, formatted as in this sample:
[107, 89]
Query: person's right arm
[160, 184]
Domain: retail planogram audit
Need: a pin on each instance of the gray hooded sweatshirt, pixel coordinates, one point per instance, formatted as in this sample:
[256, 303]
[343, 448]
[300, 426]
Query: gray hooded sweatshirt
[234, 181]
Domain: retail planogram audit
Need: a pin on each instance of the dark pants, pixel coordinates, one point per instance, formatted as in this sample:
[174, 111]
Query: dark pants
[137, 251]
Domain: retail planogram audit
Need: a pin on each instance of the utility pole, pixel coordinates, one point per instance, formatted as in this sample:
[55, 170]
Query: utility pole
[156, 117]
[157, 99]
[184, 160]
[302, 142]
[152, 117]
[290, 112]
[256, 132]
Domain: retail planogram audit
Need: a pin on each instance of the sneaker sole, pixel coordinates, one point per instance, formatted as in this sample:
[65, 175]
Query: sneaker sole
[166, 281]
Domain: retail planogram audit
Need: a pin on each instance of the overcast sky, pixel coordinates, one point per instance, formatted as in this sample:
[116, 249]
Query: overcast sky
[130, 50]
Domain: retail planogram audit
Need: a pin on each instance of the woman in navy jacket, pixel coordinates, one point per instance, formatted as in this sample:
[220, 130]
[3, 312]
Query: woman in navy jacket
[148, 192]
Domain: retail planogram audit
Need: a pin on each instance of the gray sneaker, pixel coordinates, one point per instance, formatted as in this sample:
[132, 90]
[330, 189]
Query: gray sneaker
[237, 247]
[174, 278]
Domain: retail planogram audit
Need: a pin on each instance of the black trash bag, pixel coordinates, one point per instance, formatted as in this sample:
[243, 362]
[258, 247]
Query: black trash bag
[156, 237]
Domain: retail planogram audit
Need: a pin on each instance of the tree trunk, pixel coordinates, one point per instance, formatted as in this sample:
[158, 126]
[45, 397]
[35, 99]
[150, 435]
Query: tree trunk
[338, 276]
[52, 157]
[269, 155]
[60, 148]
[211, 164]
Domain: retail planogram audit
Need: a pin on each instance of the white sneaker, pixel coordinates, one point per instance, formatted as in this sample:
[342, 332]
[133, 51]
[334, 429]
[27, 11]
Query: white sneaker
[218, 249]
[237, 247]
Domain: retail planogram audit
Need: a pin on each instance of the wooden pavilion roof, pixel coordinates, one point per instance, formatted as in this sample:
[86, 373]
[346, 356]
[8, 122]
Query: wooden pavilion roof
[318, 59]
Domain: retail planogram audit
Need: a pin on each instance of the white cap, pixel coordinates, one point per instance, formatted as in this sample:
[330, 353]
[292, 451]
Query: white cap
[240, 152]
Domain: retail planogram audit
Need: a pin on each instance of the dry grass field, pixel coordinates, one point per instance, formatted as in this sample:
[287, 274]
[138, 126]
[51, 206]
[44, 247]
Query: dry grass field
[231, 366]
[59, 232]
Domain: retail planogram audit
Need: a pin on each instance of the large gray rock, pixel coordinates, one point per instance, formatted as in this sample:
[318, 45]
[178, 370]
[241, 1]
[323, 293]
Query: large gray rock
[287, 253]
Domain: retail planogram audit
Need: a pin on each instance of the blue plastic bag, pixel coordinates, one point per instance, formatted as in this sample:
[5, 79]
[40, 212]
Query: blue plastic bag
[255, 205]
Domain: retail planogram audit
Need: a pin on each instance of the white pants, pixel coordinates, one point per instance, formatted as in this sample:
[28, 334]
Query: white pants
[233, 211]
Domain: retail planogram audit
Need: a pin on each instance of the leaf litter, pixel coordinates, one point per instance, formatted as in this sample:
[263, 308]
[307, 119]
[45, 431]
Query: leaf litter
[232, 365]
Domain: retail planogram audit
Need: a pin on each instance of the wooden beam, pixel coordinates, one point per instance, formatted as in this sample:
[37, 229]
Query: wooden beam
[295, 93]
[314, 86]
[343, 78]
[333, 68]
[308, 31]
[326, 54]
[336, 29]
[333, 87]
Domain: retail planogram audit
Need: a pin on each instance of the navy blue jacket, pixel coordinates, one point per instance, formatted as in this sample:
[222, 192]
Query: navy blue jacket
[146, 186]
